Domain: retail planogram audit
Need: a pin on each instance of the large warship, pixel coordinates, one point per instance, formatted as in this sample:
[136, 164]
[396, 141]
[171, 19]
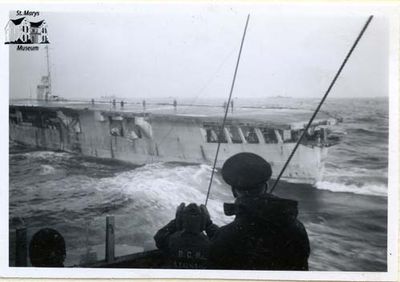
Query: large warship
[168, 133]
[132, 133]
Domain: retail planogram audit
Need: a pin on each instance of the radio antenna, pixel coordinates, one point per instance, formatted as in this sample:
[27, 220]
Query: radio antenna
[49, 90]
[322, 101]
[221, 131]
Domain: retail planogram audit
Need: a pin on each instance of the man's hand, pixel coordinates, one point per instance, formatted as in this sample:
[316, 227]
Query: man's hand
[206, 216]
[178, 216]
[210, 228]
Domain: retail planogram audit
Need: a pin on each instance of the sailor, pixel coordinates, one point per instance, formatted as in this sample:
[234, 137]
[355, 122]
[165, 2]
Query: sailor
[47, 249]
[183, 241]
[266, 234]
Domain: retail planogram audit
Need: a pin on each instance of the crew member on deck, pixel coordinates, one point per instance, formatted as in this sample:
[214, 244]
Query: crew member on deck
[47, 249]
[183, 241]
[266, 234]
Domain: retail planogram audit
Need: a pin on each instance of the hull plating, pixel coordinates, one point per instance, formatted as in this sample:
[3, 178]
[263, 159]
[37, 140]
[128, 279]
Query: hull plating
[148, 139]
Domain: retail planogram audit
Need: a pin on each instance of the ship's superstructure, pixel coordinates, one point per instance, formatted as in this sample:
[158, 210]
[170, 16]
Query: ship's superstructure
[43, 91]
[143, 138]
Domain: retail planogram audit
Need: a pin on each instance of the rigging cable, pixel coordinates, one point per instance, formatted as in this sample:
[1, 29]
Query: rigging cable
[193, 103]
[322, 101]
[227, 109]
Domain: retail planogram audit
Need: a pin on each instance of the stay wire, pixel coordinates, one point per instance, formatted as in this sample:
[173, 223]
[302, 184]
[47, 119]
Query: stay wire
[199, 93]
[322, 101]
[226, 110]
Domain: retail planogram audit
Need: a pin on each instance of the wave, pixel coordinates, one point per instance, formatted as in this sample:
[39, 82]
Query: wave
[46, 170]
[142, 200]
[166, 186]
[366, 189]
[375, 117]
[47, 155]
[370, 132]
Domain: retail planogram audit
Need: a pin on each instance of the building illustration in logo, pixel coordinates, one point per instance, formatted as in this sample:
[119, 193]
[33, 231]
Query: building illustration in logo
[22, 31]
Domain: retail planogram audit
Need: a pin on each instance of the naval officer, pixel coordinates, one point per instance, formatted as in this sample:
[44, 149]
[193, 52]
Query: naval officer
[265, 234]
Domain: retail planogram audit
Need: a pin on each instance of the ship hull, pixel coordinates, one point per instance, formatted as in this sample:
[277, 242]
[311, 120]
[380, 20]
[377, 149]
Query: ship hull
[159, 139]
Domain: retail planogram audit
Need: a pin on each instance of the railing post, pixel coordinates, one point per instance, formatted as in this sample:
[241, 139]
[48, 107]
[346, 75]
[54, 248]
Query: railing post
[110, 244]
[21, 249]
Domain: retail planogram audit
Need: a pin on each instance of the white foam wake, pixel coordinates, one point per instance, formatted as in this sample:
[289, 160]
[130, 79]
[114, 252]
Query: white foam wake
[366, 189]
[157, 189]
[46, 169]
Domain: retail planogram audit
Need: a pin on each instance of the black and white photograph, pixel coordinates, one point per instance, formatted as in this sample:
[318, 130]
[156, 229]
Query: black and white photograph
[200, 140]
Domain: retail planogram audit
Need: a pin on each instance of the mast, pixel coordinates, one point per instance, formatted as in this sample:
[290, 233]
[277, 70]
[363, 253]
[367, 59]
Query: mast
[48, 93]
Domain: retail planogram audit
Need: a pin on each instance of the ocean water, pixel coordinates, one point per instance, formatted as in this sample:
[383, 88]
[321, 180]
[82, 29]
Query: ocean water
[345, 214]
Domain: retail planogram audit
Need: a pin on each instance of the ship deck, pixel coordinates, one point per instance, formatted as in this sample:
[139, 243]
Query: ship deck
[276, 115]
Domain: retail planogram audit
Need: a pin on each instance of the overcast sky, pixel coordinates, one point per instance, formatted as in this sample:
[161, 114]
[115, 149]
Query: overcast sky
[190, 51]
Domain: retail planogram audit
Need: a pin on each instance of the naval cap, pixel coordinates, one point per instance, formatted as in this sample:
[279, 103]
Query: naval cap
[246, 170]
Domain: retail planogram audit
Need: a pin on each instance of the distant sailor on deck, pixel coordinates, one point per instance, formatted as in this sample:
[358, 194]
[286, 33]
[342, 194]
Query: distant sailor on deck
[265, 234]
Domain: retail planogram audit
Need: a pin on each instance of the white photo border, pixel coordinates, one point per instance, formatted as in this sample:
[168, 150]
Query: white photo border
[391, 10]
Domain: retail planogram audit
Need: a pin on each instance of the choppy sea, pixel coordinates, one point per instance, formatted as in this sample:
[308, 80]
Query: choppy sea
[345, 214]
